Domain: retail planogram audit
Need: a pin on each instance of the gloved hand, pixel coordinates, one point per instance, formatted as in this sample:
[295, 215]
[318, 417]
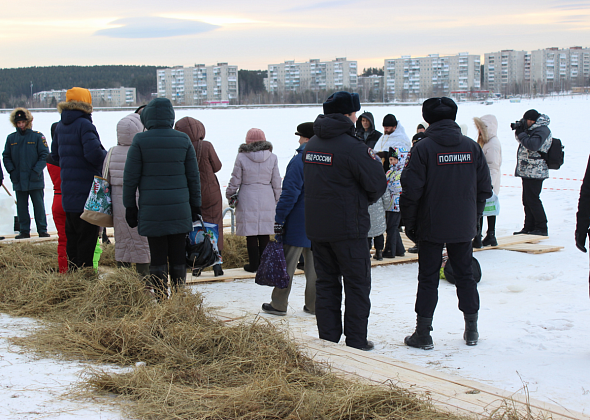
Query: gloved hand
[195, 212]
[411, 233]
[581, 240]
[522, 127]
[131, 216]
[279, 229]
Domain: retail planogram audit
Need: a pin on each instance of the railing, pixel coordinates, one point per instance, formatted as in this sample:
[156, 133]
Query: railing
[233, 219]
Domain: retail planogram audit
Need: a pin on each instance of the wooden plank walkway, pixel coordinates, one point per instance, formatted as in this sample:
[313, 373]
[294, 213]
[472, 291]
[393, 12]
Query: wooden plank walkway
[450, 393]
[521, 243]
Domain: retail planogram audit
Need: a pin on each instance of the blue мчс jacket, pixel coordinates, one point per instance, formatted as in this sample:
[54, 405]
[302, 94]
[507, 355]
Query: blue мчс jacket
[77, 147]
[291, 206]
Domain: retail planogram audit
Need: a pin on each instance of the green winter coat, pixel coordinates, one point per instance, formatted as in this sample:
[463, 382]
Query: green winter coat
[162, 163]
[24, 159]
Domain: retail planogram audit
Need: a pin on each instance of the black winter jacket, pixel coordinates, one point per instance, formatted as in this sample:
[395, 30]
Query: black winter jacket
[373, 136]
[445, 185]
[162, 164]
[341, 179]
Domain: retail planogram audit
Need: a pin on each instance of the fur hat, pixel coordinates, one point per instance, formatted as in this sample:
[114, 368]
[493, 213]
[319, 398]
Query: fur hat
[79, 94]
[389, 121]
[305, 130]
[532, 115]
[436, 109]
[392, 152]
[21, 114]
[254, 135]
[342, 103]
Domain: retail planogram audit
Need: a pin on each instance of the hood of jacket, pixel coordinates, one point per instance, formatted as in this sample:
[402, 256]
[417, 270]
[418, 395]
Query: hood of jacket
[159, 113]
[359, 124]
[259, 151]
[332, 125]
[487, 126]
[191, 127]
[543, 120]
[127, 128]
[27, 114]
[445, 132]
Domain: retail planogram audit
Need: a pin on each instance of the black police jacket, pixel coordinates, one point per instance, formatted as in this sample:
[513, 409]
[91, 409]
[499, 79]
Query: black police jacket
[342, 177]
[445, 185]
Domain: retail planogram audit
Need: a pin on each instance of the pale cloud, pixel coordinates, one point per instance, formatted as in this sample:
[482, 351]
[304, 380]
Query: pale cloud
[154, 27]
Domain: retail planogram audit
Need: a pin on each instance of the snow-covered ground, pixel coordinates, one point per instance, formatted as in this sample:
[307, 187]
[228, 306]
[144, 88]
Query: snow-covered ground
[535, 309]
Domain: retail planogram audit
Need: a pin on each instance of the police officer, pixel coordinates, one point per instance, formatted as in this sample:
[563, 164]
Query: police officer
[342, 177]
[445, 184]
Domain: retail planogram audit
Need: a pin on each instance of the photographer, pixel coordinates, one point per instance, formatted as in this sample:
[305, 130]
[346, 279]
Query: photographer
[534, 137]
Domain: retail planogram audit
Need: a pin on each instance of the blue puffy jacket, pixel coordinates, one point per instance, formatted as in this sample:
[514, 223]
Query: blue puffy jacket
[291, 206]
[77, 147]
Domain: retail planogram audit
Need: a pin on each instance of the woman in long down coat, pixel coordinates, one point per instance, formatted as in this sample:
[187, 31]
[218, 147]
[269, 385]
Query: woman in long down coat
[209, 164]
[257, 181]
[487, 127]
[130, 247]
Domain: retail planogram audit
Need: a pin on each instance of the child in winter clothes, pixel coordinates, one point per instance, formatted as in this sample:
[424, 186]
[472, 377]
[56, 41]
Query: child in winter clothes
[393, 245]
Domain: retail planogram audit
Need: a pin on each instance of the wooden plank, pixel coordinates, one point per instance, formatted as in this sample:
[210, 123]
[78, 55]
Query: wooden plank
[448, 392]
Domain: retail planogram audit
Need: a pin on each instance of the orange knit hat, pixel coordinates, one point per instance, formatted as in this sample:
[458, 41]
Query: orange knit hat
[79, 94]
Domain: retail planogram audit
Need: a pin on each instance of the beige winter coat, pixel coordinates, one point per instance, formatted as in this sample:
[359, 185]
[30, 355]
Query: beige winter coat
[487, 127]
[129, 245]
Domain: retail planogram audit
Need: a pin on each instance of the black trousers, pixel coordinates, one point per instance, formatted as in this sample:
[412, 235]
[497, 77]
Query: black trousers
[394, 239]
[429, 263]
[169, 249]
[347, 262]
[82, 237]
[534, 213]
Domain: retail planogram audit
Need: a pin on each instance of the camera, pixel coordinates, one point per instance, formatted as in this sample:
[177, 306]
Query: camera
[518, 125]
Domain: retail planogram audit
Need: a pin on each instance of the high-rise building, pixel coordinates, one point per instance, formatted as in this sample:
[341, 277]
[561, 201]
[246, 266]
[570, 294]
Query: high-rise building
[199, 85]
[421, 77]
[113, 97]
[312, 75]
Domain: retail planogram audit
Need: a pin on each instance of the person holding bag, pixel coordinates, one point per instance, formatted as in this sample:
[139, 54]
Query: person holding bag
[487, 128]
[162, 164]
[130, 246]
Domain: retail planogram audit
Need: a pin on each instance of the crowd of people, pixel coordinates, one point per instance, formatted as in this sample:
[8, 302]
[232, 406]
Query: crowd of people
[433, 187]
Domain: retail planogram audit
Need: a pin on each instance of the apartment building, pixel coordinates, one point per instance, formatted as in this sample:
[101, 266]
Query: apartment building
[115, 97]
[408, 78]
[505, 71]
[312, 75]
[199, 85]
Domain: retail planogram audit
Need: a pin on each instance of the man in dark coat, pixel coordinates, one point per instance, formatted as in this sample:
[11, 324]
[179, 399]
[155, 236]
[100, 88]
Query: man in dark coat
[24, 159]
[445, 185]
[77, 149]
[365, 130]
[162, 165]
[342, 177]
[290, 223]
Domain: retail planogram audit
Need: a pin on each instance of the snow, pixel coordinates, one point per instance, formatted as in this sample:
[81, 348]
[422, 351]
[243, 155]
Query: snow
[534, 308]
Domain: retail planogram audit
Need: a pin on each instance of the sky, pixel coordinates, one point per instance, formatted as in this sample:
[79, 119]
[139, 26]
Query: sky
[256, 33]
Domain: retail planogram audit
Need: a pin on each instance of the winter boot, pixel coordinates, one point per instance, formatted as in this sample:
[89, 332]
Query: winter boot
[490, 239]
[178, 276]
[159, 280]
[471, 335]
[421, 338]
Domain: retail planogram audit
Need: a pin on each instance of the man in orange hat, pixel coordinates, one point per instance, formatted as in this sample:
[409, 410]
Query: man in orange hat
[80, 154]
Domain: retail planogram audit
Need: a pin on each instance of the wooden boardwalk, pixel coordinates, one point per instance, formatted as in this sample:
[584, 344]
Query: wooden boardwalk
[521, 243]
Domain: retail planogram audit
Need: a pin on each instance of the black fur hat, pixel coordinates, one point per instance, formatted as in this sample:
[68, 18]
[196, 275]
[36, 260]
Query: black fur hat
[342, 103]
[436, 109]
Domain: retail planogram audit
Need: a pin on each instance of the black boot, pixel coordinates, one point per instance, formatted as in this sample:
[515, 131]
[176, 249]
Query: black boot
[159, 281]
[421, 338]
[471, 335]
[490, 239]
[178, 276]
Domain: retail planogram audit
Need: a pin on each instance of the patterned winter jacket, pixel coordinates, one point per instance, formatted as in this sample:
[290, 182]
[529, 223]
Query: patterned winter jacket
[394, 186]
[538, 138]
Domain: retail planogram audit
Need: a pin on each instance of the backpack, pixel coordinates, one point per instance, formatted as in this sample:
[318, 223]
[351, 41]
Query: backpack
[555, 155]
